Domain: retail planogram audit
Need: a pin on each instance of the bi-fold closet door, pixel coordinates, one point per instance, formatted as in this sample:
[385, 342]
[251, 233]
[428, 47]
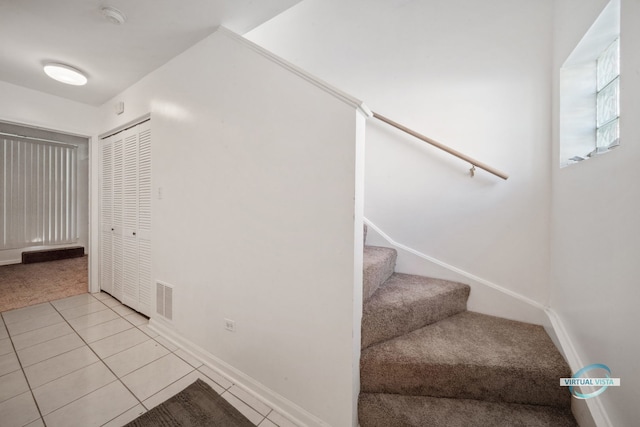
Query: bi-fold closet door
[125, 217]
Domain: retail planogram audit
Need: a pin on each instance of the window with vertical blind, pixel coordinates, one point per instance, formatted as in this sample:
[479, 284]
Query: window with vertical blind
[38, 191]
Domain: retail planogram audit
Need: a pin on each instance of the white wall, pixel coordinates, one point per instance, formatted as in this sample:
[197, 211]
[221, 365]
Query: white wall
[37, 109]
[473, 75]
[595, 211]
[260, 222]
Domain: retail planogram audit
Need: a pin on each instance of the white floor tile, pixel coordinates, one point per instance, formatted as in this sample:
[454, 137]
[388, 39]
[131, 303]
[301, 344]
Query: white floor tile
[43, 351]
[137, 319]
[122, 310]
[9, 363]
[105, 330]
[18, 411]
[41, 335]
[59, 366]
[116, 343]
[266, 423]
[101, 296]
[135, 357]
[280, 420]
[155, 376]
[12, 385]
[74, 301]
[214, 385]
[111, 302]
[172, 389]
[36, 423]
[6, 346]
[34, 323]
[25, 313]
[244, 409]
[127, 417]
[250, 400]
[83, 310]
[106, 403]
[176, 387]
[148, 331]
[165, 342]
[93, 319]
[222, 381]
[3, 331]
[62, 391]
[188, 358]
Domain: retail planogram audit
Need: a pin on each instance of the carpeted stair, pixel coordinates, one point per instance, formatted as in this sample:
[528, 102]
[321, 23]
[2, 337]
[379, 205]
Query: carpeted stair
[427, 361]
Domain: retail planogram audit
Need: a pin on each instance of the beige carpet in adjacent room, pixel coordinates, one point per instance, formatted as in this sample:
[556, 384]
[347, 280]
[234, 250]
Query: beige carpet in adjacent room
[22, 285]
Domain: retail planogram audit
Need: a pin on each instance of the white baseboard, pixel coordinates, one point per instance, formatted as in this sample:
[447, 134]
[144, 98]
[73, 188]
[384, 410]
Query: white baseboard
[588, 412]
[280, 404]
[11, 261]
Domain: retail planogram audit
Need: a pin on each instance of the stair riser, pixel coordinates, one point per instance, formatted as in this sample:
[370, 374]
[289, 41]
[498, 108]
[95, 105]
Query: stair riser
[464, 382]
[386, 410]
[382, 325]
[377, 272]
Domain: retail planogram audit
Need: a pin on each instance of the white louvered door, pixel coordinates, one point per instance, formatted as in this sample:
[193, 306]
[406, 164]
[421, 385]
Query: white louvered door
[130, 218]
[129, 190]
[144, 218]
[118, 201]
[106, 216]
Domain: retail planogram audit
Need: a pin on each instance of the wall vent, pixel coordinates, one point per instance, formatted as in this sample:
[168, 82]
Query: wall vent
[164, 300]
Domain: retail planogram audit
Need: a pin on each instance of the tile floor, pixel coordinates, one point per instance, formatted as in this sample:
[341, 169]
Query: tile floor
[88, 361]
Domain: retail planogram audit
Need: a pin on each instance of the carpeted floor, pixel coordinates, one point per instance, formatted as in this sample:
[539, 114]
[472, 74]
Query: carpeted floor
[427, 361]
[22, 285]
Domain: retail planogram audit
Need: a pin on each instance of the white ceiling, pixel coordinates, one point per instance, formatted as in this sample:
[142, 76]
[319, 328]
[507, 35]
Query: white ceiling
[74, 32]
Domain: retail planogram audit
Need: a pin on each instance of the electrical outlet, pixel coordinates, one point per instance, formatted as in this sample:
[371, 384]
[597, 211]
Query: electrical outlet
[230, 325]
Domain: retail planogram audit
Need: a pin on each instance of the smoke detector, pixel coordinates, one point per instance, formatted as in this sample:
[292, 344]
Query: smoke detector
[113, 15]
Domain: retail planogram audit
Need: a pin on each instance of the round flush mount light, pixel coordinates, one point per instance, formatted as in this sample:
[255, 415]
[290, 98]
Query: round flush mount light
[113, 15]
[65, 74]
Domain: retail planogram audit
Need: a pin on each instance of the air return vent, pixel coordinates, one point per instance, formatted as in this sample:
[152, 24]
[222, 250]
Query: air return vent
[164, 300]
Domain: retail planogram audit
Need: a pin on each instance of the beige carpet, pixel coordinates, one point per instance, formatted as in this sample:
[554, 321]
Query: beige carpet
[428, 362]
[22, 285]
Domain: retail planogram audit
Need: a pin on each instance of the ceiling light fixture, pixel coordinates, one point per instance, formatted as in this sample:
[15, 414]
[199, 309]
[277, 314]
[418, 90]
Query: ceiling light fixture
[113, 15]
[65, 74]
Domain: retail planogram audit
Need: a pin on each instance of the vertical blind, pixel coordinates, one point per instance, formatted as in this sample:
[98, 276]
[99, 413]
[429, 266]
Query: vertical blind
[38, 192]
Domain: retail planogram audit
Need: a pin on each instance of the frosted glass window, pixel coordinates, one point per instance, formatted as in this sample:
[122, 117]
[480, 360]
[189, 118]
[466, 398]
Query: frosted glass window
[608, 136]
[590, 90]
[608, 102]
[608, 67]
[608, 97]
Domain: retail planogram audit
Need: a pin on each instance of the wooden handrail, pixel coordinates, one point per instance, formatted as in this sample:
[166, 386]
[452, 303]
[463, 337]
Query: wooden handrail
[443, 147]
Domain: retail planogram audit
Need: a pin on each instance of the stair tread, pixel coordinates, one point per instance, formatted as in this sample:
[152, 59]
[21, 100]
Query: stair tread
[378, 264]
[384, 410]
[407, 302]
[469, 355]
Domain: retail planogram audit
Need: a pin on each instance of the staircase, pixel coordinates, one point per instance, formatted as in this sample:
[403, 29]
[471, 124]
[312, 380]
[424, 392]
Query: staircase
[427, 361]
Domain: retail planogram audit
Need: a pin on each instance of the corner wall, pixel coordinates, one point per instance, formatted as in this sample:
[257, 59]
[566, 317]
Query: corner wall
[594, 218]
[472, 75]
[260, 222]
